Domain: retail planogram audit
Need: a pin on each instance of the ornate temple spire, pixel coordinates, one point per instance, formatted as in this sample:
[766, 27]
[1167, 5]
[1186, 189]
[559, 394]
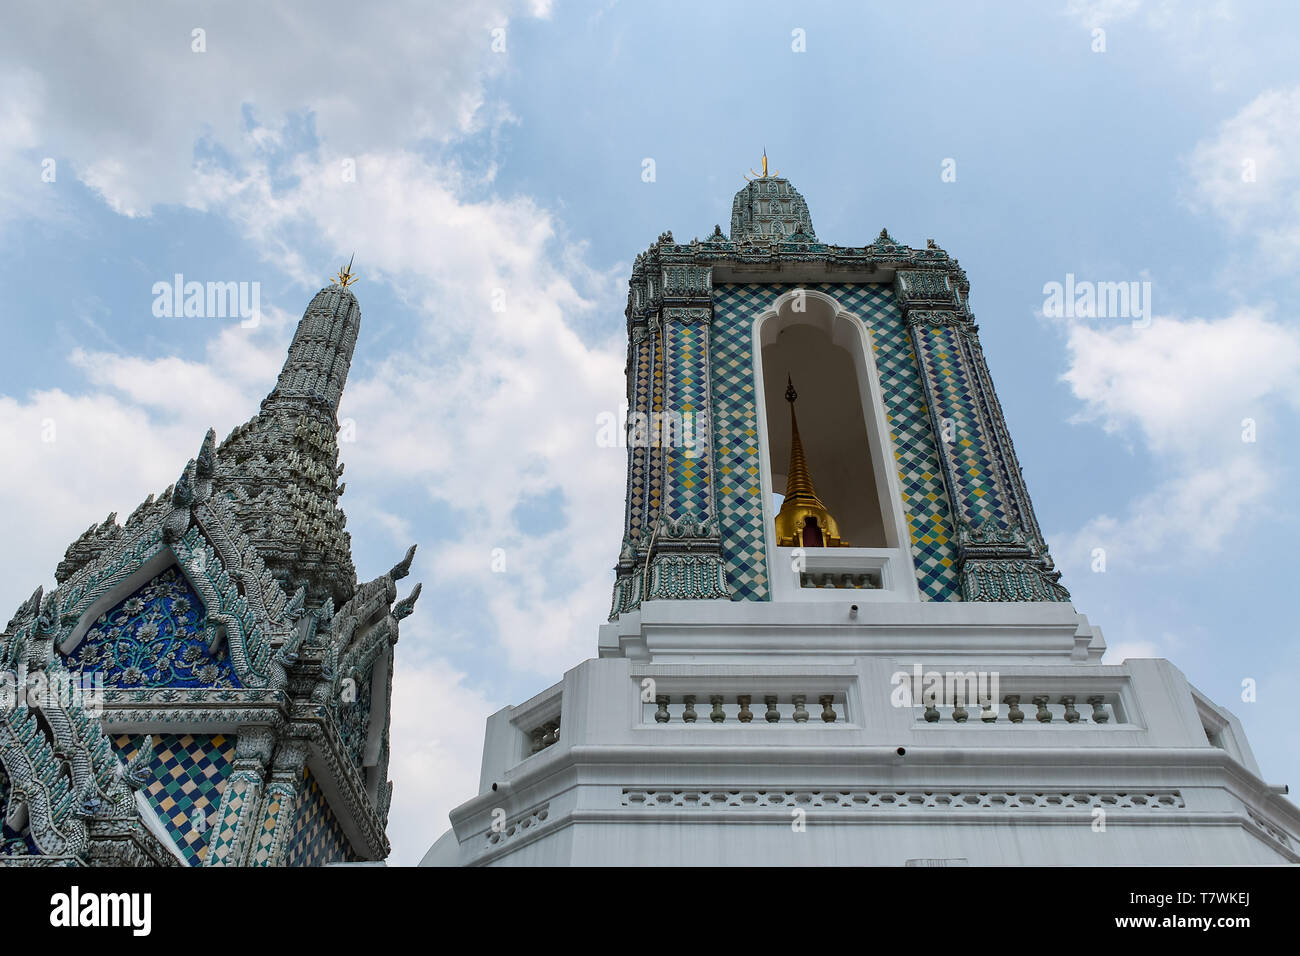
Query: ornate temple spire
[282, 466]
[319, 358]
[803, 519]
[769, 207]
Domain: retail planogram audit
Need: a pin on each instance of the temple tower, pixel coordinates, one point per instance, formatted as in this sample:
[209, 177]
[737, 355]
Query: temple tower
[227, 684]
[282, 465]
[837, 634]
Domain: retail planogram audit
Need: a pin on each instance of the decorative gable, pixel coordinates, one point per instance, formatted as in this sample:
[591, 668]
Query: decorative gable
[155, 638]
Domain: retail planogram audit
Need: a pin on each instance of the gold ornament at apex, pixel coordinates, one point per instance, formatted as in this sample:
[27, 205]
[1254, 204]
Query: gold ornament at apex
[803, 521]
[763, 174]
[344, 277]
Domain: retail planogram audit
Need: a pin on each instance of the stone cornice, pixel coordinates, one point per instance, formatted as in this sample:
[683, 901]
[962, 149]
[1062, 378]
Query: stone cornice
[163, 710]
[780, 260]
[341, 780]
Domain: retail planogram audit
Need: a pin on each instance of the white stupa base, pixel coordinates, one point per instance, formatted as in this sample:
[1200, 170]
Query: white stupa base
[619, 788]
[1134, 767]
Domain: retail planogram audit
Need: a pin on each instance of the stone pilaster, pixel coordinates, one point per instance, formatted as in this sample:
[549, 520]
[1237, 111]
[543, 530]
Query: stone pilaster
[279, 806]
[644, 490]
[686, 558]
[1001, 550]
[234, 828]
[671, 547]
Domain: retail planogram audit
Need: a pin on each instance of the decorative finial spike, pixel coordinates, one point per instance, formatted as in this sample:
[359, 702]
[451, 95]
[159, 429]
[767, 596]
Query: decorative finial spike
[345, 278]
[790, 393]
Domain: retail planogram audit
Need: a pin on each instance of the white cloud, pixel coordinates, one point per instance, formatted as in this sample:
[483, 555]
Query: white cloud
[237, 364]
[1190, 390]
[1248, 175]
[437, 745]
[1185, 384]
[1168, 16]
[1180, 520]
[130, 98]
[1097, 13]
[1187, 389]
[23, 190]
[71, 458]
[1206, 41]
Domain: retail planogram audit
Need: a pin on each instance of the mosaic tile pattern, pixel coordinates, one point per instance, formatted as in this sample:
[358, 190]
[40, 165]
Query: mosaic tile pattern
[354, 718]
[154, 638]
[976, 471]
[317, 837]
[221, 842]
[265, 835]
[188, 774]
[735, 439]
[689, 484]
[740, 506]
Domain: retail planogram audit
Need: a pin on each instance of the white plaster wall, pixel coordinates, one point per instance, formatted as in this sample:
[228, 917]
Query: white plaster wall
[570, 803]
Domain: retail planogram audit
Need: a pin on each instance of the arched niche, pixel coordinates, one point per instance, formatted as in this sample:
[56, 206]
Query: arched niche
[832, 426]
[828, 352]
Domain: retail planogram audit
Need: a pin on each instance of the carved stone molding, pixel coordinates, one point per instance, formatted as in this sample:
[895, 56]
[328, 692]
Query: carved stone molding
[686, 576]
[957, 320]
[688, 316]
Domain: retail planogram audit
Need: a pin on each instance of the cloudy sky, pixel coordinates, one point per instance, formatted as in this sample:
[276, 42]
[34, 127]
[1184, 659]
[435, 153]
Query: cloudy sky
[488, 154]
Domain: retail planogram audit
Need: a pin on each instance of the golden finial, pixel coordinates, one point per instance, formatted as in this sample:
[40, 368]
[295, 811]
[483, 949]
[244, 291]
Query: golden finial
[763, 174]
[345, 278]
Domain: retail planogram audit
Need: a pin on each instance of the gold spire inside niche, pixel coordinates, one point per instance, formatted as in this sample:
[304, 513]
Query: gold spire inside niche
[803, 520]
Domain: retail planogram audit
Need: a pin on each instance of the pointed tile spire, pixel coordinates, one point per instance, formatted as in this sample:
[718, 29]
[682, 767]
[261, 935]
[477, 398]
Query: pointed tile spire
[321, 353]
[282, 467]
[801, 504]
[798, 483]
